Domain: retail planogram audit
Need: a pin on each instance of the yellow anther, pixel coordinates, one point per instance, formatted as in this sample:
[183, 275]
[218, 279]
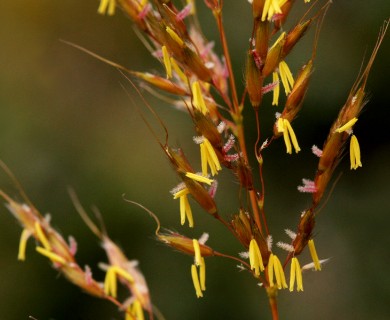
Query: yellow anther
[22, 244]
[296, 275]
[198, 256]
[167, 62]
[354, 153]
[278, 40]
[275, 269]
[41, 236]
[199, 178]
[123, 273]
[174, 36]
[110, 286]
[185, 211]
[286, 77]
[107, 6]
[178, 71]
[195, 281]
[198, 100]
[314, 256]
[288, 135]
[255, 258]
[134, 311]
[52, 256]
[181, 193]
[275, 78]
[209, 157]
[347, 126]
[270, 7]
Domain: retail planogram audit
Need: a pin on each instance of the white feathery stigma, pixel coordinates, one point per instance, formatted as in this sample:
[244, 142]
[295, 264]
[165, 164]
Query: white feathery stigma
[290, 233]
[285, 246]
[203, 238]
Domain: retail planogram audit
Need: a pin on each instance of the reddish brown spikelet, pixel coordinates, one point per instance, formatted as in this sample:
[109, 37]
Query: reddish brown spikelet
[254, 81]
[206, 127]
[295, 35]
[178, 160]
[243, 228]
[262, 40]
[321, 182]
[169, 15]
[305, 229]
[184, 244]
[195, 64]
[274, 56]
[244, 174]
[161, 83]
[298, 92]
[246, 230]
[296, 97]
[200, 194]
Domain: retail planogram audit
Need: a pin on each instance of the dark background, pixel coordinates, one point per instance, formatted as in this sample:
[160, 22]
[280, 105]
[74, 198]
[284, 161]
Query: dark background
[66, 121]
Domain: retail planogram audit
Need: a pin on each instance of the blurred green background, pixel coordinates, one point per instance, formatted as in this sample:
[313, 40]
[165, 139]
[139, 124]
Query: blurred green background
[66, 121]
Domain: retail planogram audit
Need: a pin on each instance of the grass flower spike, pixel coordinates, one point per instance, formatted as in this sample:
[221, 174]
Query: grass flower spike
[197, 75]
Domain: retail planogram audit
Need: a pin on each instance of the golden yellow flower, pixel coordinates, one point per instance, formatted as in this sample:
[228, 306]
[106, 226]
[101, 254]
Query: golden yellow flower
[296, 275]
[110, 286]
[198, 100]
[185, 208]
[208, 158]
[288, 135]
[354, 153]
[255, 258]
[314, 256]
[275, 269]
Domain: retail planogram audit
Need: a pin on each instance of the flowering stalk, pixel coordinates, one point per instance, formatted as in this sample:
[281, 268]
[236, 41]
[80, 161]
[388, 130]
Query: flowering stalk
[205, 87]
